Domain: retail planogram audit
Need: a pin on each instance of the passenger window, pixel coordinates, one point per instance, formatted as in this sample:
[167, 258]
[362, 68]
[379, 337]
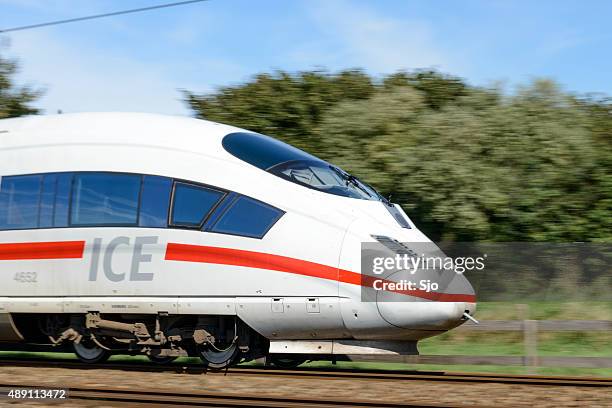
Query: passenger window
[192, 204]
[19, 202]
[155, 201]
[47, 200]
[247, 217]
[105, 199]
[62, 199]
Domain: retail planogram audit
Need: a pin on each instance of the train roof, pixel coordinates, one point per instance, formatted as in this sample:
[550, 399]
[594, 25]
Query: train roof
[115, 128]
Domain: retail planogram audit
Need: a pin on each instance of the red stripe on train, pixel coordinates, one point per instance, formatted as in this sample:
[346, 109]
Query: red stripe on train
[42, 250]
[250, 259]
[261, 260]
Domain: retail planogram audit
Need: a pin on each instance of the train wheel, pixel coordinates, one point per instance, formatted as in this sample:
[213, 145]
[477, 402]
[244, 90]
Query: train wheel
[219, 359]
[89, 352]
[161, 359]
[284, 362]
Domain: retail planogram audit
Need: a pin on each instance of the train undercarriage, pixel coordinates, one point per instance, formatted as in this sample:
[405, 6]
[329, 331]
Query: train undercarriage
[219, 341]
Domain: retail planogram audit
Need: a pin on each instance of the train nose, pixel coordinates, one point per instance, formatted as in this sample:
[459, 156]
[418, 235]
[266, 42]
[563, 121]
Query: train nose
[425, 316]
[434, 304]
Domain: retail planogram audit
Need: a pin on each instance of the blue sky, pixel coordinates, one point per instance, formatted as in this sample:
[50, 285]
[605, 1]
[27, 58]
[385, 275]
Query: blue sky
[138, 62]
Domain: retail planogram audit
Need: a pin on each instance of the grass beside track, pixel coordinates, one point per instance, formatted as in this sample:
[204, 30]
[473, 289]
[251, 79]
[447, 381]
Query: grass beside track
[584, 344]
[598, 372]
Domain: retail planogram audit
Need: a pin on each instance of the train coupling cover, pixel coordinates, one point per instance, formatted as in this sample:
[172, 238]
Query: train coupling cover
[467, 316]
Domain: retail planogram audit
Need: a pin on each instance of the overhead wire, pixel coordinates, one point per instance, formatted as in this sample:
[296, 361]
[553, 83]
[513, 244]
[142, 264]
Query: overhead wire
[95, 16]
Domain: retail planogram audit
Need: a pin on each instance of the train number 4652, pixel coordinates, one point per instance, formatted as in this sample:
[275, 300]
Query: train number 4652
[25, 277]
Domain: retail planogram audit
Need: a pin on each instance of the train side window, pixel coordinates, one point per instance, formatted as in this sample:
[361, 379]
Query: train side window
[47, 200]
[19, 202]
[62, 199]
[247, 217]
[192, 204]
[105, 199]
[155, 201]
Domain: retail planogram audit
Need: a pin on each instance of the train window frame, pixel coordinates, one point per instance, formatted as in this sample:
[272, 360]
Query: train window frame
[206, 216]
[168, 205]
[219, 210]
[46, 204]
[235, 200]
[75, 176]
[37, 215]
[63, 200]
[60, 176]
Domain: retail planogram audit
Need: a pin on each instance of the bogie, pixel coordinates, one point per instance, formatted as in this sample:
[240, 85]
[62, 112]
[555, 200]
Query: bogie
[219, 341]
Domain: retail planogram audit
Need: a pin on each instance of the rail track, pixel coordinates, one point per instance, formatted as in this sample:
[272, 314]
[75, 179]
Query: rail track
[337, 374]
[123, 397]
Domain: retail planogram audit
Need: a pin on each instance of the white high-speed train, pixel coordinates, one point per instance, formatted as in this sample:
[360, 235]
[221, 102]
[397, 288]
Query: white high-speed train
[171, 236]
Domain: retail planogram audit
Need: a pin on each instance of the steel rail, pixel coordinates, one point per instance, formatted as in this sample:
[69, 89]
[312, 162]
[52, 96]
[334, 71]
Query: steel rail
[218, 399]
[336, 374]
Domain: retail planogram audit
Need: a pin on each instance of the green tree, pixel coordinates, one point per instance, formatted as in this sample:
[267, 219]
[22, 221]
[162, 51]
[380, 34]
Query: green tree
[437, 88]
[14, 100]
[281, 104]
[524, 168]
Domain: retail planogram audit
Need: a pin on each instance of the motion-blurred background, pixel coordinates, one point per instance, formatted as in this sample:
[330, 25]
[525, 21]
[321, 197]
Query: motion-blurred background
[486, 121]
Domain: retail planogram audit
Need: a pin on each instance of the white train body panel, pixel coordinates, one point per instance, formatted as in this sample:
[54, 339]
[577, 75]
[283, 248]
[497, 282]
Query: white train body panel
[297, 282]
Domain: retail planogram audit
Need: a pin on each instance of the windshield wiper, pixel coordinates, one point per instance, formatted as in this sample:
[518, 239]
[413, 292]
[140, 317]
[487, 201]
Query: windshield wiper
[382, 198]
[350, 179]
[357, 183]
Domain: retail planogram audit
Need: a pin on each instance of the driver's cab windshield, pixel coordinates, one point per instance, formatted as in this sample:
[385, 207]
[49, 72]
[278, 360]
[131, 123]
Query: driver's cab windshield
[297, 166]
[324, 177]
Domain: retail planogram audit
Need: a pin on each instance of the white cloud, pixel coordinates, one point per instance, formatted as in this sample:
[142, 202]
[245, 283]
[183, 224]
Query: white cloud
[90, 73]
[378, 42]
[79, 79]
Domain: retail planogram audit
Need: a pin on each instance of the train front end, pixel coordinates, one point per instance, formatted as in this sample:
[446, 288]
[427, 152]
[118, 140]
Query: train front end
[408, 288]
[381, 310]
